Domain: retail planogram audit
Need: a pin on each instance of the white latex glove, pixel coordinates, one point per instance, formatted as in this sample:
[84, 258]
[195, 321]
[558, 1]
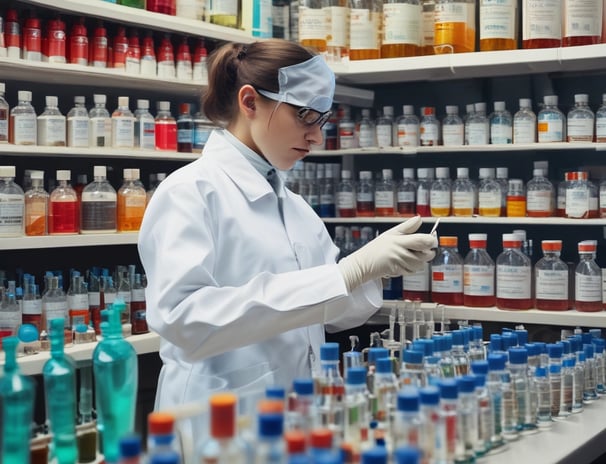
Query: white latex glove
[395, 252]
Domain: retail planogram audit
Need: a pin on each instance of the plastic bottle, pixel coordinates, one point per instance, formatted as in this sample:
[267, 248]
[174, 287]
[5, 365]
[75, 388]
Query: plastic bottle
[345, 128]
[440, 193]
[184, 69]
[166, 128]
[166, 59]
[145, 126]
[64, 208]
[4, 115]
[499, 24]
[503, 180]
[51, 125]
[406, 193]
[149, 63]
[478, 274]
[59, 374]
[384, 127]
[99, 48]
[542, 24]
[408, 124]
[330, 390]
[518, 359]
[123, 125]
[22, 126]
[478, 126]
[385, 195]
[346, 195]
[501, 125]
[357, 413]
[581, 23]
[131, 201]
[54, 303]
[427, 27]
[12, 34]
[12, 204]
[429, 128]
[77, 301]
[185, 129]
[132, 63]
[365, 204]
[588, 281]
[516, 198]
[600, 121]
[577, 195]
[489, 194]
[399, 40]
[78, 124]
[513, 275]
[424, 181]
[202, 130]
[138, 307]
[453, 129]
[365, 130]
[199, 69]
[36, 206]
[454, 26]
[17, 396]
[580, 120]
[115, 369]
[539, 195]
[98, 205]
[327, 206]
[120, 48]
[337, 31]
[32, 39]
[78, 43]
[100, 123]
[447, 273]
[407, 420]
[551, 122]
[462, 194]
[551, 277]
[525, 123]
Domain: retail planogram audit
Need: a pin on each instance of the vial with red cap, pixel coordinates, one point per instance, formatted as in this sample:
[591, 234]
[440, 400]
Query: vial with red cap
[32, 39]
[588, 279]
[56, 41]
[160, 433]
[133, 55]
[148, 56]
[99, 49]
[184, 61]
[551, 278]
[514, 272]
[120, 48]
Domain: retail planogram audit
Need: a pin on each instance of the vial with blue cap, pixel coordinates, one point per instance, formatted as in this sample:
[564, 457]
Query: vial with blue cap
[130, 450]
[543, 392]
[496, 367]
[458, 353]
[270, 447]
[330, 390]
[375, 455]
[412, 371]
[383, 401]
[590, 393]
[357, 413]
[432, 438]
[485, 412]
[407, 455]
[406, 429]
[29, 339]
[467, 428]
[301, 407]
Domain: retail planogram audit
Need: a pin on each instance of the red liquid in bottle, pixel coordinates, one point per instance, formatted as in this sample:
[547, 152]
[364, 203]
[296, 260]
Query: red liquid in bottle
[513, 303]
[365, 208]
[384, 212]
[423, 210]
[347, 212]
[541, 43]
[552, 305]
[406, 209]
[64, 217]
[588, 306]
[448, 298]
[477, 301]
[137, 317]
[34, 319]
[574, 41]
[416, 295]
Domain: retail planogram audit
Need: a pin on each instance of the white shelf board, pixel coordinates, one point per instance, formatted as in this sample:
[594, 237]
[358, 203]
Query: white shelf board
[70, 152]
[551, 221]
[570, 318]
[142, 18]
[33, 364]
[68, 241]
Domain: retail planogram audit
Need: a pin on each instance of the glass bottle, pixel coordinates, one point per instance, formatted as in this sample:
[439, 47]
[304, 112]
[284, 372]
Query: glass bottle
[185, 129]
[123, 125]
[541, 24]
[364, 30]
[54, 303]
[357, 410]
[337, 30]
[77, 301]
[551, 122]
[12, 204]
[167, 7]
[551, 278]
[330, 390]
[406, 193]
[577, 203]
[503, 180]
[51, 125]
[402, 27]
[346, 195]
[498, 25]
[166, 59]
[580, 120]
[525, 123]
[518, 368]
[312, 25]
[427, 31]
[454, 26]
[600, 121]
[77, 124]
[449, 394]
[131, 201]
[100, 123]
[384, 127]
[365, 130]
[478, 126]
[516, 198]
[64, 207]
[385, 195]
[432, 436]
[425, 179]
[453, 129]
[145, 126]
[138, 307]
[98, 205]
[327, 206]
[478, 274]
[462, 194]
[406, 429]
[447, 273]
[501, 125]
[429, 128]
[539, 195]
[440, 193]
[469, 110]
[581, 22]
[346, 128]
[408, 127]
[4, 115]
[513, 275]
[468, 433]
[23, 123]
[199, 69]
[36, 206]
[365, 204]
[543, 392]
[588, 281]
[166, 128]
[489, 194]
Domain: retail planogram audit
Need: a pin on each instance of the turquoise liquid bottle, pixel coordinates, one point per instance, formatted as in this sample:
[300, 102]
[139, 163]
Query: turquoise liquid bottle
[17, 398]
[115, 372]
[59, 374]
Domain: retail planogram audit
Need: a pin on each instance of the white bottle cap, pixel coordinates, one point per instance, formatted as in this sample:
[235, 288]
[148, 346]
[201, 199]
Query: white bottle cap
[80, 99]
[581, 98]
[502, 172]
[481, 106]
[486, 173]
[135, 173]
[525, 103]
[64, 174]
[100, 171]
[161, 176]
[387, 174]
[36, 175]
[365, 175]
[408, 110]
[516, 183]
[123, 101]
[422, 173]
[2, 87]
[520, 233]
[511, 238]
[24, 95]
[463, 173]
[7, 171]
[469, 107]
[51, 100]
[551, 100]
[452, 109]
[127, 174]
[388, 110]
[499, 106]
[538, 173]
[164, 105]
[408, 173]
[442, 173]
[477, 237]
[143, 104]
[99, 98]
[345, 174]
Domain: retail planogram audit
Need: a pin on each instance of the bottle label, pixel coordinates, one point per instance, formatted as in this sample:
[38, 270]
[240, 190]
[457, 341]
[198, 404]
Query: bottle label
[582, 18]
[346, 135]
[10, 319]
[364, 197]
[133, 65]
[99, 130]
[542, 20]
[384, 199]
[478, 280]
[146, 130]
[32, 307]
[94, 299]
[78, 301]
[418, 281]
[166, 70]
[123, 132]
[551, 284]
[588, 287]
[550, 128]
[538, 201]
[447, 278]
[54, 310]
[346, 200]
[4, 125]
[185, 135]
[429, 134]
[337, 20]
[184, 70]
[439, 199]
[477, 133]
[422, 196]
[138, 294]
[428, 28]
[489, 200]
[498, 19]
[577, 202]
[384, 135]
[312, 24]
[453, 134]
[327, 199]
[500, 133]
[524, 131]
[364, 28]
[367, 136]
[77, 131]
[513, 282]
[51, 131]
[406, 197]
[201, 134]
[135, 201]
[408, 135]
[24, 129]
[402, 23]
[462, 201]
[580, 130]
[148, 66]
[12, 207]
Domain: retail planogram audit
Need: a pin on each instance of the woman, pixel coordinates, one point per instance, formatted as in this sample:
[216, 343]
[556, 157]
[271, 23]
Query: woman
[242, 274]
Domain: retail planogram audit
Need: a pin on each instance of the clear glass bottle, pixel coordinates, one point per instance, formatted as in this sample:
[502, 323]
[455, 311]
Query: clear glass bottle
[432, 436]
[357, 411]
[578, 195]
[4, 115]
[427, 31]
[100, 123]
[525, 123]
[202, 129]
[51, 125]
[425, 179]
[331, 387]
[402, 27]
[364, 29]
[327, 204]
[518, 367]
[98, 205]
[600, 120]
[489, 194]
[406, 193]
[581, 23]
[440, 193]
[365, 203]
[23, 123]
[478, 274]
[337, 30]
[478, 126]
[36, 206]
[185, 129]
[346, 128]
[454, 26]
[551, 122]
[131, 201]
[588, 280]
[408, 127]
[429, 128]
[384, 195]
[462, 194]
[516, 198]
[12, 204]
[384, 127]
[64, 207]
[166, 128]
[447, 273]
[580, 120]
[77, 301]
[54, 303]
[123, 125]
[542, 24]
[77, 124]
[311, 25]
[499, 25]
[513, 275]
[145, 126]
[468, 425]
[469, 110]
[503, 180]
[365, 130]
[453, 128]
[501, 125]
[551, 278]
[539, 195]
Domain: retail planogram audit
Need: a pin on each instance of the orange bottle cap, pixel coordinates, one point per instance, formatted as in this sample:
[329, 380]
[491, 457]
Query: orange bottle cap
[448, 241]
[321, 438]
[295, 441]
[160, 423]
[223, 415]
[268, 406]
[551, 245]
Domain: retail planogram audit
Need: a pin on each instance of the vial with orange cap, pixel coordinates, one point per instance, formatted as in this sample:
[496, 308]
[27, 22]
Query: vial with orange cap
[551, 278]
[161, 433]
[588, 279]
[514, 271]
[447, 273]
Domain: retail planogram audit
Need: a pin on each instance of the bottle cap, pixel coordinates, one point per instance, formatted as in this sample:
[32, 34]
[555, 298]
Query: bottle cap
[100, 171]
[387, 174]
[184, 108]
[377, 352]
[223, 414]
[321, 438]
[511, 239]
[160, 423]
[28, 333]
[486, 173]
[143, 104]
[499, 106]
[476, 240]
[408, 110]
[135, 173]
[80, 99]
[407, 455]
[581, 98]
[51, 100]
[587, 245]
[99, 98]
[270, 425]
[123, 102]
[448, 241]
[303, 386]
[467, 384]
[479, 107]
[164, 106]
[538, 173]
[525, 103]
[502, 172]
[130, 446]
[24, 95]
[429, 395]
[36, 175]
[463, 173]
[413, 357]
[127, 174]
[2, 87]
[452, 109]
[479, 367]
[449, 389]
[408, 173]
[442, 173]
[7, 171]
[429, 110]
[551, 245]
[160, 176]
[64, 174]
[345, 174]
[295, 441]
[356, 375]
[550, 100]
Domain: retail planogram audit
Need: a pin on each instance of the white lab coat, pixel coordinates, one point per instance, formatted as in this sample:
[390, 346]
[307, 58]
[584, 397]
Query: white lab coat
[233, 290]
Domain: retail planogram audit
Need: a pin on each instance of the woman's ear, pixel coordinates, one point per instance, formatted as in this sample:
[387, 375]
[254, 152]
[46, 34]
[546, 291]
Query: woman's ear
[247, 97]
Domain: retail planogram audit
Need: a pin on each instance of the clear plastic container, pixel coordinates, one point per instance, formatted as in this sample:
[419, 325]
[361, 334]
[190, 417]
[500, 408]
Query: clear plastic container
[551, 278]
[551, 122]
[77, 124]
[516, 198]
[145, 126]
[346, 195]
[453, 128]
[525, 123]
[588, 279]
[501, 125]
[36, 206]
[365, 130]
[98, 205]
[539, 195]
[462, 194]
[365, 202]
[64, 207]
[385, 200]
[478, 126]
[489, 194]
[185, 129]
[346, 128]
[406, 193]
[478, 274]
[600, 121]
[408, 127]
[429, 128]
[578, 195]
[384, 127]
[123, 125]
[131, 201]
[23, 122]
[447, 273]
[513, 275]
[12, 204]
[580, 120]
[51, 125]
[166, 128]
[440, 193]
[424, 181]
[100, 123]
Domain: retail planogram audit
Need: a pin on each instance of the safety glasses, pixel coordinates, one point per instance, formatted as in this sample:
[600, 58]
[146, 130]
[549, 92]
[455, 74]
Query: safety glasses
[309, 116]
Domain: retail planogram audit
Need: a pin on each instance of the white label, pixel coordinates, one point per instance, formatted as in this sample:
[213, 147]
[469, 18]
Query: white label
[32, 307]
[138, 201]
[363, 30]
[550, 129]
[406, 197]
[439, 199]
[366, 136]
[337, 33]
[498, 19]
[551, 284]
[600, 128]
[77, 131]
[148, 66]
[422, 196]
[538, 201]
[346, 200]
[587, 287]
[184, 70]
[462, 200]
[10, 319]
[133, 65]
[54, 310]
[94, 298]
[401, 23]
[417, 282]
[524, 131]
[542, 19]
[408, 135]
[428, 29]
[455, 12]
[24, 130]
[138, 294]
[582, 18]
[478, 280]
[99, 132]
[580, 130]
[429, 134]
[489, 200]
[577, 202]
[11, 214]
[346, 135]
[123, 132]
[79, 301]
[384, 199]
[447, 278]
[166, 69]
[364, 197]
[513, 282]
[51, 131]
[478, 133]
[453, 134]
[500, 134]
[312, 23]
[147, 133]
[200, 71]
[384, 135]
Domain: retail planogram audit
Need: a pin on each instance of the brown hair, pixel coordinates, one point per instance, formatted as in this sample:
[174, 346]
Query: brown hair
[233, 65]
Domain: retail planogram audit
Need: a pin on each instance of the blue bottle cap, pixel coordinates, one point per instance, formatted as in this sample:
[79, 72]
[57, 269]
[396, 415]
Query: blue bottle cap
[376, 455]
[438, 343]
[467, 383]
[377, 352]
[299, 459]
[496, 343]
[540, 372]
[408, 399]
[303, 386]
[271, 425]
[532, 348]
[384, 366]
[457, 337]
[522, 336]
[586, 337]
[329, 351]
[130, 446]
[555, 368]
[478, 333]
[588, 350]
[496, 361]
[428, 345]
[467, 335]
[509, 340]
[28, 333]
[449, 389]
[429, 395]
[554, 350]
[542, 347]
[447, 340]
[413, 357]
[275, 391]
[327, 457]
[566, 347]
[568, 362]
[480, 380]
[356, 375]
[479, 367]
[599, 345]
[518, 355]
[407, 455]
[167, 457]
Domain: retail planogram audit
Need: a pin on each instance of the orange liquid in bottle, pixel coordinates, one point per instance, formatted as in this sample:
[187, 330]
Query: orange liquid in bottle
[487, 45]
[36, 226]
[453, 38]
[552, 305]
[448, 298]
[538, 213]
[318, 45]
[463, 211]
[440, 212]
[490, 212]
[130, 213]
[400, 50]
[477, 301]
[347, 212]
[514, 304]
[385, 212]
[365, 208]
[79, 316]
[364, 54]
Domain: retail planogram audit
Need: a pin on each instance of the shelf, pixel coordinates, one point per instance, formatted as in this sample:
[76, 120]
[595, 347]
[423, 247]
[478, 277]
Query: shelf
[570, 318]
[551, 221]
[68, 241]
[142, 18]
[33, 364]
[471, 65]
[88, 153]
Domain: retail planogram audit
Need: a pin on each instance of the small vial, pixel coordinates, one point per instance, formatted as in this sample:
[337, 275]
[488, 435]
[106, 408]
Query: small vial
[36, 206]
[588, 279]
[462, 194]
[408, 127]
[385, 195]
[440, 193]
[23, 123]
[12, 204]
[64, 207]
[489, 194]
[98, 205]
[100, 123]
[145, 126]
[516, 198]
[513, 275]
[166, 128]
[346, 195]
[406, 193]
[425, 179]
[551, 122]
[525, 123]
[447, 273]
[501, 125]
[77, 124]
[478, 274]
[551, 278]
[365, 129]
[365, 203]
[4, 115]
[600, 121]
[453, 128]
[503, 180]
[580, 120]
[123, 125]
[429, 129]
[478, 126]
[539, 195]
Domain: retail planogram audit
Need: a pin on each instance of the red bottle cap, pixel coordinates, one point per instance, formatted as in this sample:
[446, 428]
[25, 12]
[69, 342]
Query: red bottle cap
[160, 423]
[321, 438]
[223, 415]
[295, 441]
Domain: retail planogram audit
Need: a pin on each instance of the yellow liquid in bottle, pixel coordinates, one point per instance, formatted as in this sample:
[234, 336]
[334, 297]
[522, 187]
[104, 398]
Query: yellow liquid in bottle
[318, 45]
[225, 20]
[490, 212]
[487, 45]
[399, 50]
[368, 54]
[462, 211]
[454, 38]
[440, 212]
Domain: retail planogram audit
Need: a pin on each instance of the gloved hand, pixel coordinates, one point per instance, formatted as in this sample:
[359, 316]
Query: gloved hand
[395, 252]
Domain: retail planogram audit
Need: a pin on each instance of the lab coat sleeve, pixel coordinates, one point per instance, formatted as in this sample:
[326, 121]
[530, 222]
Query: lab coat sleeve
[189, 309]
